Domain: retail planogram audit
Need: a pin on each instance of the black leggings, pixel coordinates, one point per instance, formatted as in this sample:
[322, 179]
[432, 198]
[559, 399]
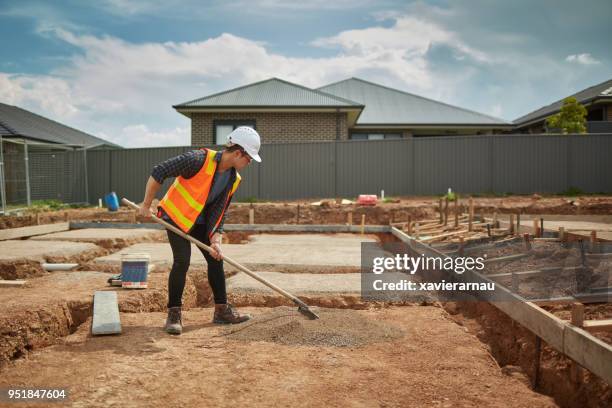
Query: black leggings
[181, 251]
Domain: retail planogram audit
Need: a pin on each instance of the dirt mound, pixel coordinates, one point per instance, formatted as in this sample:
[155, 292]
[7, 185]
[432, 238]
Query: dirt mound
[20, 269]
[336, 328]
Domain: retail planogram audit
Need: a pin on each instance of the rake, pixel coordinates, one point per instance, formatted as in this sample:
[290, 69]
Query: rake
[302, 307]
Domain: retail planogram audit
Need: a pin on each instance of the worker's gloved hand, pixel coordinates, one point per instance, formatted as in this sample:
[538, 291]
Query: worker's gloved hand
[145, 211]
[215, 244]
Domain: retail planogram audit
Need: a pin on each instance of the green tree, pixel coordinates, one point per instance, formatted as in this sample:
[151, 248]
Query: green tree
[571, 118]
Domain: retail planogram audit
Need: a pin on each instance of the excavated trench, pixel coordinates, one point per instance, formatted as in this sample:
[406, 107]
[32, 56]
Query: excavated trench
[513, 346]
[510, 344]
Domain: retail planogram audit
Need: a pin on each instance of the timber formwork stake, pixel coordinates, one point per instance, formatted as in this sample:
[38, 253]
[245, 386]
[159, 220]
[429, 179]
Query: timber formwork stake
[471, 215]
[527, 243]
[456, 208]
[446, 211]
[537, 358]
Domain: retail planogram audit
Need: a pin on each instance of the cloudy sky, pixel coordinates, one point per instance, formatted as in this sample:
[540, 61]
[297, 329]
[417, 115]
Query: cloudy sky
[115, 69]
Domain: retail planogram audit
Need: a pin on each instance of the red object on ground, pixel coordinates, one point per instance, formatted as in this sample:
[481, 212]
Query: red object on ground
[366, 199]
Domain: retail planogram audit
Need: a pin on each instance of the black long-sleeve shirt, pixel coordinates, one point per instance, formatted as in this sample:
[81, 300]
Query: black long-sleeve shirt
[188, 165]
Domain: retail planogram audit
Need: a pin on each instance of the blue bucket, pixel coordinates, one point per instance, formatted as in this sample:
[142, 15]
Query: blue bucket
[112, 201]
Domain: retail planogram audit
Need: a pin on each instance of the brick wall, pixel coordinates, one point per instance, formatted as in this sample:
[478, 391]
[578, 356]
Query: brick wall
[275, 127]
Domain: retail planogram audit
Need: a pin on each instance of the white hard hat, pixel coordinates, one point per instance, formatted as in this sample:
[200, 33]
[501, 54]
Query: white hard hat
[248, 139]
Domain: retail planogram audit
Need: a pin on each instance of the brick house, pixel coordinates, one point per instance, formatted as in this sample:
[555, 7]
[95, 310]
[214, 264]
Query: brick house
[351, 109]
[596, 99]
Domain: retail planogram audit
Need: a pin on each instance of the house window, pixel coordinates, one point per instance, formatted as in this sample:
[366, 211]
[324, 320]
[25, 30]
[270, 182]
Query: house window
[222, 128]
[595, 115]
[375, 136]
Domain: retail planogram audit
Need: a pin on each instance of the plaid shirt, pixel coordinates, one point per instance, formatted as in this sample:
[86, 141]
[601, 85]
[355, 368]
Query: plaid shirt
[188, 165]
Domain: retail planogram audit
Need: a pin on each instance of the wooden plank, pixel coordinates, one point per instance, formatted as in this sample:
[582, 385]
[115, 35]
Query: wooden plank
[535, 271]
[431, 226]
[247, 227]
[24, 232]
[540, 322]
[505, 258]
[119, 225]
[597, 325]
[450, 234]
[305, 228]
[12, 283]
[105, 314]
[588, 351]
[577, 314]
[599, 256]
[584, 298]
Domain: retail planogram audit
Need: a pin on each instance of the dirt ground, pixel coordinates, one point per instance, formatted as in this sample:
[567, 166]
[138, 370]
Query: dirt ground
[434, 362]
[513, 347]
[50, 307]
[329, 212]
[362, 353]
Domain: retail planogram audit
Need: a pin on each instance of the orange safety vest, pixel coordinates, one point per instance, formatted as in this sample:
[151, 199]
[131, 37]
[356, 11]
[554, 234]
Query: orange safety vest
[186, 198]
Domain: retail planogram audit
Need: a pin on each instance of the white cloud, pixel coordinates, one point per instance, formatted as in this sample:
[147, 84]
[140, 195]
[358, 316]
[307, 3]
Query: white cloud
[47, 93]
[401, 50]
[584, 59]
[114, 79]
[125, 90]
[112, 84]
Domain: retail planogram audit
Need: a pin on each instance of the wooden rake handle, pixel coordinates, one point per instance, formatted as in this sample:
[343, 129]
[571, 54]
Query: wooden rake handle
[230, 261]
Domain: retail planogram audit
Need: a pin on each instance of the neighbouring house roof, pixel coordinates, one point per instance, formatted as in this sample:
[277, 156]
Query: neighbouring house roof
[388, 106]
[20, 123]
[602, 91]
[271, 93]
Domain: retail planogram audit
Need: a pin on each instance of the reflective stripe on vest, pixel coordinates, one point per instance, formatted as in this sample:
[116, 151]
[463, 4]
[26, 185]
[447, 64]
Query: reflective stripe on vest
[186, 198]
[234, 188]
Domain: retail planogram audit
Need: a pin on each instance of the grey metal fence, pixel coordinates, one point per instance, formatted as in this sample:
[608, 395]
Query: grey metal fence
[14, 174]
[58, 175]
[519, 164]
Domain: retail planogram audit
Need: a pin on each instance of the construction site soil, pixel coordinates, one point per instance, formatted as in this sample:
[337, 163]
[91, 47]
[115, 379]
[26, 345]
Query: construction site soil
[50, 307]
[434, 363]
[360, 353]
[513, 347]
[330, 212]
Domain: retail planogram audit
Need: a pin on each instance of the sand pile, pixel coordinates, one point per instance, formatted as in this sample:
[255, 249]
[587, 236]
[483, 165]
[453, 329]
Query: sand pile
[336, 327]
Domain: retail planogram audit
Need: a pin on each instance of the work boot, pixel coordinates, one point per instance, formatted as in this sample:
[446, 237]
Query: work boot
[226, 314]
[174, 323]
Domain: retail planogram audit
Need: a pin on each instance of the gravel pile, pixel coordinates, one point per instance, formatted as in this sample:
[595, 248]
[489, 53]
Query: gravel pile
[336, 328]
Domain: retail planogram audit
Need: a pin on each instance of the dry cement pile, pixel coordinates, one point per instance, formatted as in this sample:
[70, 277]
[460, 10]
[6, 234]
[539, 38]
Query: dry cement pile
[336, 328]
